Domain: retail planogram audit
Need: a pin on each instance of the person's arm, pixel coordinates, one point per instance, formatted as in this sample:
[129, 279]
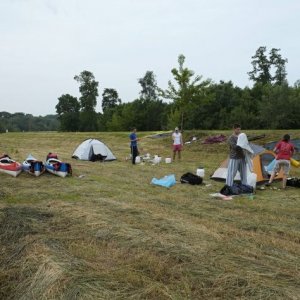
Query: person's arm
[293, 150]
[276, 148]
[181, 140]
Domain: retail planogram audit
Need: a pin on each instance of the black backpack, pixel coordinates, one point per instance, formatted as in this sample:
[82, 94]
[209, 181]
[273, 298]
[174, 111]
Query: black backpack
[191, 178]
[236, 189]
[294, 182]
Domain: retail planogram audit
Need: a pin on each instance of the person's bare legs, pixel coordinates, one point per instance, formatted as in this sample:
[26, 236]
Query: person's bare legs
[272, 178]
[284, 179]
[179, 155]
[174, 155]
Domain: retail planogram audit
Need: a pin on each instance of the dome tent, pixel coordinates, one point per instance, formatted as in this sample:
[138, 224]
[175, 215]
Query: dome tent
[261, 160]
[93, 150]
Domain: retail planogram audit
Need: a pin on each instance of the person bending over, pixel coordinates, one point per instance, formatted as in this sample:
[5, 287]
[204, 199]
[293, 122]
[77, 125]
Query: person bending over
[285, 151]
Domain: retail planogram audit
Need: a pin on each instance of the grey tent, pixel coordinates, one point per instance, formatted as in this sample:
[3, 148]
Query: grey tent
[93, 150]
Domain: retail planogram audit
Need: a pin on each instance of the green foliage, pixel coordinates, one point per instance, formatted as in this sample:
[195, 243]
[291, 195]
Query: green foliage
[187, 89]
[149, 86]
[88, 89]
[27, 122]
[88, 121]
[68, 112]
[263, 65]
[110, 99]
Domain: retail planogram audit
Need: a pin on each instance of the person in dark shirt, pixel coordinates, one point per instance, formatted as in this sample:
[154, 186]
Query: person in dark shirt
[133, 145]
[237, 160]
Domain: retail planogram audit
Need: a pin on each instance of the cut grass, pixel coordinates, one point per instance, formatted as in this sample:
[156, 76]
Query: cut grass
[109, 234]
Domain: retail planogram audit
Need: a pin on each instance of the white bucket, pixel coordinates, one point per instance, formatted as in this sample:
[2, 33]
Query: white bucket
[168, 160]
[157, 159]
[137, 159]
[200, 172]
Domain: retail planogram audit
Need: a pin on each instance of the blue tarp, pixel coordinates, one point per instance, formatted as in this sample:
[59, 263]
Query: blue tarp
[166, 181]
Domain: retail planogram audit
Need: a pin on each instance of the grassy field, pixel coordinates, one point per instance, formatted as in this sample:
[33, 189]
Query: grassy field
[107, 233]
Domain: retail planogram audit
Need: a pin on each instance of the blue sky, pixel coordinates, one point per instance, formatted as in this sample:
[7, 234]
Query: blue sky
[45, 43]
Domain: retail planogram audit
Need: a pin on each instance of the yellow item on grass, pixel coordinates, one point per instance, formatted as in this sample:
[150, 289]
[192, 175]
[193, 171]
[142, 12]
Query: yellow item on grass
[295, 163]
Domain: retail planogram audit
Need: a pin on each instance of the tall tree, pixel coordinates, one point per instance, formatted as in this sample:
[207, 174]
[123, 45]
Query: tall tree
[149, 86]
[110, 99]
[264, 64]
[188, 88]
[68, 112]
[279, 63]
[88, 100]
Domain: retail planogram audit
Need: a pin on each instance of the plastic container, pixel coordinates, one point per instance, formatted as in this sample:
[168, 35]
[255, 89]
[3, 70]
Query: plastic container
[137, 159]
[157, 159]
[200, 172]
[251, 179]
[168, 160]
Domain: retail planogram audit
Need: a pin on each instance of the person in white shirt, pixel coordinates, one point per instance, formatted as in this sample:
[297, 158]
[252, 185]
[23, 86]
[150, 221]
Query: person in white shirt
[177, 143]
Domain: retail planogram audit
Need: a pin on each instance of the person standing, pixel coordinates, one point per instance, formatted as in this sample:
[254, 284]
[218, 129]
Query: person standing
[285, 151]
[237, 161]
[177, 143]
[133, 145]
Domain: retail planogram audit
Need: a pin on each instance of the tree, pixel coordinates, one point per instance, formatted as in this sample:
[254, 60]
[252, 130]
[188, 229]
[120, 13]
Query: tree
[263, 65]
[188, 88]
[88, 100]
[149, 87]
[68, 112]
[279, 64]
[110, 99]
[88, 89]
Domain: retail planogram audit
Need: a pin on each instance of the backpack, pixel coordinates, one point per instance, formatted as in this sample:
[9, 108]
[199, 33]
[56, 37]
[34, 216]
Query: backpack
[236, 189]
[191, 178]
[294, 182]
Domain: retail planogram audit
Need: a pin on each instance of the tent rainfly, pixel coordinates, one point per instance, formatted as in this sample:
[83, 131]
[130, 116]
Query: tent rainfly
[93, 150]
[262, 158]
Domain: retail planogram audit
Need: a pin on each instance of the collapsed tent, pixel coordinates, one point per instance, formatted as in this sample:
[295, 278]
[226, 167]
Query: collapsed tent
[261, 160]
[93, 150]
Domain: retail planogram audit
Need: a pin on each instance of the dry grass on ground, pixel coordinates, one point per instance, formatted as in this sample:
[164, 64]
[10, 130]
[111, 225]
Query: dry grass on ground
[109, 234]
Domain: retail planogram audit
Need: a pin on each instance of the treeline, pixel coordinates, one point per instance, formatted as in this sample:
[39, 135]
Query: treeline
[192, 102]
[27, 122]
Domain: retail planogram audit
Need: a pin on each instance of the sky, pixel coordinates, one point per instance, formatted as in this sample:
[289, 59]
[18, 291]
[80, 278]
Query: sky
[45, 43]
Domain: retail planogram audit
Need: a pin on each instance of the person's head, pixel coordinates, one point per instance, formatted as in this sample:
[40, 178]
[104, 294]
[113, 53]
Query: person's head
[176, 129]
[286, 138]
[237, 128]
[133, 129]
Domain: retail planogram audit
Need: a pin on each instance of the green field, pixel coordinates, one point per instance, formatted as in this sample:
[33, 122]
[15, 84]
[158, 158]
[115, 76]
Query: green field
[107, 233]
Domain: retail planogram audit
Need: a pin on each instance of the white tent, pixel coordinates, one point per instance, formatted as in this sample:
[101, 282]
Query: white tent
[93, 150]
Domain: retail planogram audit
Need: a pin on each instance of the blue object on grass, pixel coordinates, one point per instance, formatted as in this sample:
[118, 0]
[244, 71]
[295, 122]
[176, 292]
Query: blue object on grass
[166, 181]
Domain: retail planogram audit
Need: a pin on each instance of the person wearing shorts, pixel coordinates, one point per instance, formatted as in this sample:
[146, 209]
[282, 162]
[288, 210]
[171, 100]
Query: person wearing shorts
[177, 143]
[285, 151]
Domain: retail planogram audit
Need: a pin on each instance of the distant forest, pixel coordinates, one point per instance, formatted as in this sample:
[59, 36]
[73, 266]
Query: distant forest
[27, 122]
[190, 101]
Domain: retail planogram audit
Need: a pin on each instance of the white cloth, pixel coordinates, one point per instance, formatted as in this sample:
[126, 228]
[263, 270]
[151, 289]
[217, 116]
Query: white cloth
[176, 138]
[243, 142]
[248, 152]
